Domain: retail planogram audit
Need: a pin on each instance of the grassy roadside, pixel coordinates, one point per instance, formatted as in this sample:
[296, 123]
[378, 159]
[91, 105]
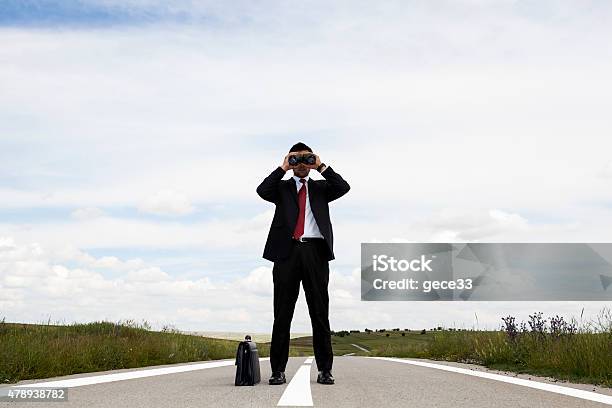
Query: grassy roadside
[33, 351]
[546, 347]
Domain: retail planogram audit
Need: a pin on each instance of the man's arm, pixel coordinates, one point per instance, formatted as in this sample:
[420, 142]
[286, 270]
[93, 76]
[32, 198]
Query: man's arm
[268, 189]
[335, 186]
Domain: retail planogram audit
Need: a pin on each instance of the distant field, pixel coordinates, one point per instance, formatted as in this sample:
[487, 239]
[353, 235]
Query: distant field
[256, 337]
[542, 346]
[549, 347]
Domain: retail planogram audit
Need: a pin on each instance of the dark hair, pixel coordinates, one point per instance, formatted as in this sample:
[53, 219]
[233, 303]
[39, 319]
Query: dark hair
[298, 147]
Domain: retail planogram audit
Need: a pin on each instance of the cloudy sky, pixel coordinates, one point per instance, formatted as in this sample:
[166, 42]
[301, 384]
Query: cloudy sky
[133, 134]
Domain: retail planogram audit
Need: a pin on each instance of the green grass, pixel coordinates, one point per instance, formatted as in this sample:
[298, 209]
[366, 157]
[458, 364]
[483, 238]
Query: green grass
[31, 351]
[584, 355]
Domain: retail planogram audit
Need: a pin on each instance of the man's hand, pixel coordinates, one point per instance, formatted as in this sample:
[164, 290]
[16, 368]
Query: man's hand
[317, 164]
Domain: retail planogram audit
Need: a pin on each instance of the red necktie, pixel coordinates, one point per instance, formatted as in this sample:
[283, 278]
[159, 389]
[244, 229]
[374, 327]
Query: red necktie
[299, 226]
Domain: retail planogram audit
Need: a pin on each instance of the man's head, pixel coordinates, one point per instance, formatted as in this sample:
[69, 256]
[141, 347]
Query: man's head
[300, 149]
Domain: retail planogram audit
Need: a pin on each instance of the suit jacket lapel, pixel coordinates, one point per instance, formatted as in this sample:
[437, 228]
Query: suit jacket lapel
[293, 190]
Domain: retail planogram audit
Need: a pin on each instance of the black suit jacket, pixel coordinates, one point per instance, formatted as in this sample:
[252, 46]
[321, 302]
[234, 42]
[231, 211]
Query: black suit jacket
[283, 193]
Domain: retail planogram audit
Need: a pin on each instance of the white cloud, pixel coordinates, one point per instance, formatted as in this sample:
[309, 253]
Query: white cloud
[258, 281]
[246, 232]
[479, 106]
[153, 274]
[167, 202]
[474, 121]
[606, 171]
[87, 213]
[200, 314]
[464, 225]
[65, 251]
[30, 288]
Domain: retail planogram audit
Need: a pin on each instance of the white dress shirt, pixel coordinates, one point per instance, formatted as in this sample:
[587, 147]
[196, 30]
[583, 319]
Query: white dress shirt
[311, 229]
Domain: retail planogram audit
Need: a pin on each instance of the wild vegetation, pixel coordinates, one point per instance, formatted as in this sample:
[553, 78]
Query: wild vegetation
[552, 346]
[566, 350]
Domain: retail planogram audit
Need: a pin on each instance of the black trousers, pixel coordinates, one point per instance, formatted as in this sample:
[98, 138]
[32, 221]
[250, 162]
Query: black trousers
[306, 263]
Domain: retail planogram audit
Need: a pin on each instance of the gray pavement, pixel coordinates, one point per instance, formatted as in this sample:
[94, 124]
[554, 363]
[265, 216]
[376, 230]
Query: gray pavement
[360, 381]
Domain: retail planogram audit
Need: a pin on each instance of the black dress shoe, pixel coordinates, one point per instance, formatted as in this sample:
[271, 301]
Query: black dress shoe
[278, 377]
[325, 377]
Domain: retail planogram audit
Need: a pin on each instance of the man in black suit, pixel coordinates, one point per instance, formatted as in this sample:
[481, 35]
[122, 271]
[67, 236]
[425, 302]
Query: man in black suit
[300, 243]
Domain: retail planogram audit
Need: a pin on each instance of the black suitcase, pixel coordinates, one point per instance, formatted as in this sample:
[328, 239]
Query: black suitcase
[247, 363]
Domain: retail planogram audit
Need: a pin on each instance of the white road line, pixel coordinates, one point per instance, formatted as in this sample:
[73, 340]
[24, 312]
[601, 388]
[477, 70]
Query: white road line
[129, 375]
[308, 360]
[348, 354]
[573, 392]
[360, 348]
[297, 393]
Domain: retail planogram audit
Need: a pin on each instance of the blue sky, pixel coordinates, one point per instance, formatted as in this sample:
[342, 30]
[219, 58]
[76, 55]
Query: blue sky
[78, 13]
[133, 135]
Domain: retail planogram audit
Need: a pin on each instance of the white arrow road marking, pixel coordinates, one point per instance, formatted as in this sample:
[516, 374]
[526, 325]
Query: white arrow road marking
[573, 392]
[308, 360]
[99, 379]
[360, 348]
[297, 393]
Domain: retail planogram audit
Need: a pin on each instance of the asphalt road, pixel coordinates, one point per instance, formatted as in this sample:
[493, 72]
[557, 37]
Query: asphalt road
[360, 381]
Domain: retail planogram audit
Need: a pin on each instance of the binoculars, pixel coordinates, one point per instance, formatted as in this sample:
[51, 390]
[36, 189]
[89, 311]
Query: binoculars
[308, 159]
